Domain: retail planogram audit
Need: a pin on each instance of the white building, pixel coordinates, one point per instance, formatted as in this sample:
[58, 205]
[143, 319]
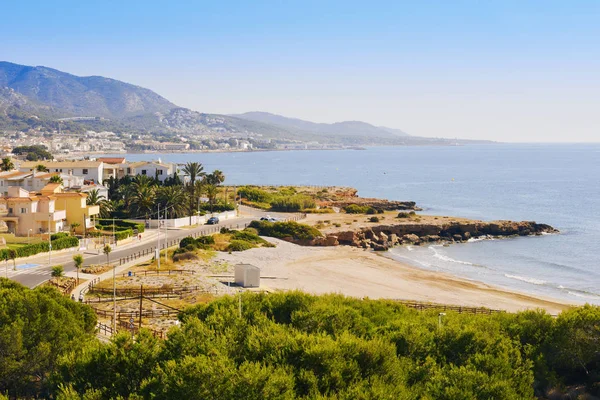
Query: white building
[35, 181]
[92, 171]
[247, 275]
[152, 169]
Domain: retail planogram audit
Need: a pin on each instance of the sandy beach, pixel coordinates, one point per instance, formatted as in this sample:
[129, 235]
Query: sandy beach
[359, 273]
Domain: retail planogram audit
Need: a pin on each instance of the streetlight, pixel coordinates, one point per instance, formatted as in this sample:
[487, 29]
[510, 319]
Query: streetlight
[440, 315]
[30, 230]
[49, 241]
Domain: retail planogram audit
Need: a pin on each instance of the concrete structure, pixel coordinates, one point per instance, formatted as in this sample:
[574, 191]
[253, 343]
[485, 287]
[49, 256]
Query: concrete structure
[76, 209]
[34, 181]
[92, 171]
[115, 167]
[247, 275]
[25, 212]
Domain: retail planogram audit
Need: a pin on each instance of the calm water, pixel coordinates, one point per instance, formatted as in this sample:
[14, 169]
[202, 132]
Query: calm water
[554, 184]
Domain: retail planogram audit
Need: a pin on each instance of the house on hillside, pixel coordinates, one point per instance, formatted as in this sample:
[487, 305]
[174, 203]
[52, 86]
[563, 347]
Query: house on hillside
[152, 169]
[34, 181]
[113, 167]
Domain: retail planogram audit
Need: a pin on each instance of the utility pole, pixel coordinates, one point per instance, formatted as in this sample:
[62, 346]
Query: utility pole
[114, 237]
[166, 241]
[141, 297]
[49, 239]
[158, 240]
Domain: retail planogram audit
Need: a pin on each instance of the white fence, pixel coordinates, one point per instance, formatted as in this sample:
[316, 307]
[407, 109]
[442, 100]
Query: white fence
[187, 221]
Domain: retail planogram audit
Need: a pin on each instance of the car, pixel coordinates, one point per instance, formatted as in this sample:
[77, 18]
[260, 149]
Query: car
[268, 218]
[212, 221]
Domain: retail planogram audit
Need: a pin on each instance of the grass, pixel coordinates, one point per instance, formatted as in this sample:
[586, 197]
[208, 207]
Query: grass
[11, 239]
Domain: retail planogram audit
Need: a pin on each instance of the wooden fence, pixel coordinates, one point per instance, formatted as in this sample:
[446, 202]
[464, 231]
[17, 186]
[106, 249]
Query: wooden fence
[422, 306]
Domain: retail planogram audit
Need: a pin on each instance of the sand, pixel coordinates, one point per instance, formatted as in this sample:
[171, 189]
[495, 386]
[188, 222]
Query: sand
[360, 273]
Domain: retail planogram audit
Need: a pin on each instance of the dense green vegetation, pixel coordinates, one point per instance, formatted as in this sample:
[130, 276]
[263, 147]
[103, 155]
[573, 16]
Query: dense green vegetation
[33, 153]
[294, 345]
[228, 240]
[285, 199]
[141, 196]
[62, 242]
[357, 209]
[282, 230]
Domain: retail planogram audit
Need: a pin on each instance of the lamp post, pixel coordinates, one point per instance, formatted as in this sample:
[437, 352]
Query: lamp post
[158, 239]
[49, 241]
[30, 230]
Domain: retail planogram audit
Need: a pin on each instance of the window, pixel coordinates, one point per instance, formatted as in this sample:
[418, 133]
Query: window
[23, 210]
[128, 171]
[85, 171]
[159, 171]
[10, 210]
[143, 172]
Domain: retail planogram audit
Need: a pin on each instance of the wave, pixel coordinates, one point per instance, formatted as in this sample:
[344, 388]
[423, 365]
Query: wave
[442, 257]
[526, 279]
[584, 296]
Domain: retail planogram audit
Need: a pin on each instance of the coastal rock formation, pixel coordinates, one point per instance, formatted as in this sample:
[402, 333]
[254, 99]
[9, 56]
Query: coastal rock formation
[382, 237]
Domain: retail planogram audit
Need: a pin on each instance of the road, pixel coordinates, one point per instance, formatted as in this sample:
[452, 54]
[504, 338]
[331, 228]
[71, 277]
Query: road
[34, 276]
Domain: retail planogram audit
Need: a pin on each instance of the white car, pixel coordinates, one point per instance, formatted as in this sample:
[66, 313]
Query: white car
[269, 218]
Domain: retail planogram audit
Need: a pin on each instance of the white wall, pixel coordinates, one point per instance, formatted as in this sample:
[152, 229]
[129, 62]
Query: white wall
[195, 220]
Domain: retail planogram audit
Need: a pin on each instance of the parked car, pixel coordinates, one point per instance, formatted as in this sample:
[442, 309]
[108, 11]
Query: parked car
[269, 218]
[212, 221]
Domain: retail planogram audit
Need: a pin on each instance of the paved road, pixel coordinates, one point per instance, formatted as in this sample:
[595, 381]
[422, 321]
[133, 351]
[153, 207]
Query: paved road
[36, 275]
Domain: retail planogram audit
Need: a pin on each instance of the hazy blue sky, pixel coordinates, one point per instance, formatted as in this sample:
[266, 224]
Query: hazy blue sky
[504, 70]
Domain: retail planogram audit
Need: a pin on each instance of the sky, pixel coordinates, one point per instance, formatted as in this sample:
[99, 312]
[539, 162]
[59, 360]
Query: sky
[523, 71]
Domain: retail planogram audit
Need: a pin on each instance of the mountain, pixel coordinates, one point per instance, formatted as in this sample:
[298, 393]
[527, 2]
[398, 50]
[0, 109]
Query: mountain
[345, 128]
[71, 95]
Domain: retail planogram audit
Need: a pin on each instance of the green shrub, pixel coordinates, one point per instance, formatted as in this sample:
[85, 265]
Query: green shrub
[404, 214]
[240, 245]
[208, 239]
[186, 255]
[58, 235]
[318, 210]
[225, 231]
[191, 247]
[285, 230]
[357, 209]
[374, 219]
[106, 223]
[293, 203]
[187, 241]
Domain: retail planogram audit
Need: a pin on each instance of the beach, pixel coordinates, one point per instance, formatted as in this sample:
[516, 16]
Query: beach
[361, 273]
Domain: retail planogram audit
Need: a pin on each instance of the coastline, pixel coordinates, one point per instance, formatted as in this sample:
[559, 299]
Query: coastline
[362, 273]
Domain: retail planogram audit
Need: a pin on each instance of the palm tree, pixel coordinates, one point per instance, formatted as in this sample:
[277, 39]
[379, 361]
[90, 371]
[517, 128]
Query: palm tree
[107, 207]
[107, 251]
[74, 226]
[211, 193]
[57, 271]
[194, 170]
[172, 199]
[78, 260]
[12, 255]
[7, 164]
[142, 199]
[94, 197]
[56, 179]
[41, 168]
[216, 178]
[112, 184]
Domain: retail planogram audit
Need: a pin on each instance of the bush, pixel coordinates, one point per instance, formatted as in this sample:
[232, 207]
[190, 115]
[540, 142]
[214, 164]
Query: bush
[225, 231]
[240, 245]
[318, 210]
[105, 223]
[187, 241]
[374, 219]
[58, 235]
[208, 239]
[356, 209]
[294, 203]
[404, 214]
[285, 230]
[184, 256]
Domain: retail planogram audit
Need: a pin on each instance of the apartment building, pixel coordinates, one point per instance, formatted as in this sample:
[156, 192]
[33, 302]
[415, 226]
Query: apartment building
[26, 212]
[92, 171]
[34, 181]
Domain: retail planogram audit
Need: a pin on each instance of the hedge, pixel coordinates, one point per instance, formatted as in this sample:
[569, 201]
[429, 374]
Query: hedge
[285, 229]
[123, 224]
[42, 247]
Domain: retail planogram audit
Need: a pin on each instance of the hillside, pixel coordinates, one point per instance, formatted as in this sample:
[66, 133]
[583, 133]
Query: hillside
[71, 95]
[345, 128]
[37, 97]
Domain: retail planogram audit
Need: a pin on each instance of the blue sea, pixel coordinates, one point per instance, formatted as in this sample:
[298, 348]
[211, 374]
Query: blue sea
[554, 184]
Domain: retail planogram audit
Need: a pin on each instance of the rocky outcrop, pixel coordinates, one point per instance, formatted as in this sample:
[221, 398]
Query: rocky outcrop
[382, 237]
[378, 204]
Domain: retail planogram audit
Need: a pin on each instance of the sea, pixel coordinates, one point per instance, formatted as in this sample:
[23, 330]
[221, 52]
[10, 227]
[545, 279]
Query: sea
[556, 184]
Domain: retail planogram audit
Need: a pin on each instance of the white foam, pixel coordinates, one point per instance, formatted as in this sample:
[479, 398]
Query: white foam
[446, 258]
[526, 279]
[585, 296]
[409, 248]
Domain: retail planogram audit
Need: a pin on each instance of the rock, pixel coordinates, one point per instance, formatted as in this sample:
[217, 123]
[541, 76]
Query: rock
[394, 239]
[378, 247]
[457, 237]
[410, 238]
[466, 235]
[331, 241]
[383, 238]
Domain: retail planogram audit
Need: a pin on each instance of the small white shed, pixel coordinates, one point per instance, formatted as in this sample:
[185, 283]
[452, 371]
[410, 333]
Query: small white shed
[247, 275]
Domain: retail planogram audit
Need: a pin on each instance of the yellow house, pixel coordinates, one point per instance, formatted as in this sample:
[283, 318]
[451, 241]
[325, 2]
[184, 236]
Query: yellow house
[77, 211]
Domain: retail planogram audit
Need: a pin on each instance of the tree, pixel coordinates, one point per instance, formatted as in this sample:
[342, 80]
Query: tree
[78, 260]
[57, 271]
[107, 249]
[211, 192]
[194, 170]
[74, 226]
[7, 164]
[172, 199]
[215, 178]
[93, 197]
[142, 199]
[56, 179]
[41, 168]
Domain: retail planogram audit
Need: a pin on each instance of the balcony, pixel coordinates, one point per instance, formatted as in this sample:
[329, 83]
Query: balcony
[55, 216]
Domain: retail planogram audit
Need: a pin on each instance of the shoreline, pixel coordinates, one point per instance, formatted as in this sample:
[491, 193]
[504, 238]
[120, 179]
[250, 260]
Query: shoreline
[362, 273]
